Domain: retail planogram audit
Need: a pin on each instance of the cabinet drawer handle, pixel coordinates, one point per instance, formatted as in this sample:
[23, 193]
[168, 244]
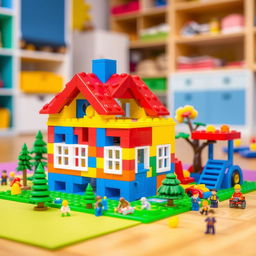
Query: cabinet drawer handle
[188, 97]
[188, 82]
[226, 80]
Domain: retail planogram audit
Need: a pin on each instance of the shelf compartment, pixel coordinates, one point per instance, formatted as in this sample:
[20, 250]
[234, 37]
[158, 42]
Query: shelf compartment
[7, 4]
[41, 56]
[6, 70]
[6, 110]
[6, 24]
[148, 44]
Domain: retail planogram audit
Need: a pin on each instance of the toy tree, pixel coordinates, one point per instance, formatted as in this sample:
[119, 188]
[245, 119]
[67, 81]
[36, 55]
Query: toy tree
[171, 189]
[39, 149]
[24, 163]
[185, 115]
[40, 193]
[89, 197]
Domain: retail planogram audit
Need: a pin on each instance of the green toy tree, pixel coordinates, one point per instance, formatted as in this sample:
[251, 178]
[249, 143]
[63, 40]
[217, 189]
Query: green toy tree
[39, 149]
[89, 197]
[24, 164]
[40, 193]
[171, 189]
[185, 115]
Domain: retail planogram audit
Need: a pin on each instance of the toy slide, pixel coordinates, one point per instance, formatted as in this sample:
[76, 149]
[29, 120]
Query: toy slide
[213, 173]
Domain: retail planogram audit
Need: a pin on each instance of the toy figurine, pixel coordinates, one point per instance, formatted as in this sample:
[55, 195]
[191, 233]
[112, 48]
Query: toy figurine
[12, 177]
[210, 220]
[98, 206]
[145, 203]
[104, 203]
[4, 178]
[195, 201]
[237, 200]
[65, 209]
[205, 207]
[124, 207]
[214, 199]
[16, 187]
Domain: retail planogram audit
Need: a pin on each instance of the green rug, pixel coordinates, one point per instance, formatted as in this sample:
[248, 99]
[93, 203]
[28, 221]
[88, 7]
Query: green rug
[49, 230]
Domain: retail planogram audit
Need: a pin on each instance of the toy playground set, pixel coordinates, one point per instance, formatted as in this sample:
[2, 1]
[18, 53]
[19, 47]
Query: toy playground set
[111, 152]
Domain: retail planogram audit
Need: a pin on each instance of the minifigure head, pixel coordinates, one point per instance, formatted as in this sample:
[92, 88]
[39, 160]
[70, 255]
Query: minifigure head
[214, 192]
[16, 180]
[237, 188]
[143, 199]
[98, 198]
[104, 197]
[211, 212]
[4, 173]
[65, 203]
[12, 174]
[196, 194]
[205, 203]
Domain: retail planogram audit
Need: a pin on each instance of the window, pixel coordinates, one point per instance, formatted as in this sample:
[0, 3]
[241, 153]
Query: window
[141, 159]
[113, 160]
[163, 158]
[70, 156]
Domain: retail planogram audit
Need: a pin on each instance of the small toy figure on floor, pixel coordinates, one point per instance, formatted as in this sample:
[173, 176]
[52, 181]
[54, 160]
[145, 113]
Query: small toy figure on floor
[214, 199]
[124, 207]
[65, 209]
[195, 201]
[145, 204]
[4, 178]
[16, 187]
[205, 207]
[210, 220]
[237, 194]
[12, 177]
[237, 200]
[98, 206]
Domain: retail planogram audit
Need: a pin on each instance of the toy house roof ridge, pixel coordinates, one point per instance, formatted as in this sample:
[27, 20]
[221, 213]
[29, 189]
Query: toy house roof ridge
[102, 95]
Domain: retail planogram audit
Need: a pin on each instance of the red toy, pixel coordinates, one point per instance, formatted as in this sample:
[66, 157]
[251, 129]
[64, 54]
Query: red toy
[237, 200]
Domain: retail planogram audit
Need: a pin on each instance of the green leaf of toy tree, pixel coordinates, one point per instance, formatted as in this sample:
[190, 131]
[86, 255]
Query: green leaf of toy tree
[182, 135]
[89, 196]
[199, 124]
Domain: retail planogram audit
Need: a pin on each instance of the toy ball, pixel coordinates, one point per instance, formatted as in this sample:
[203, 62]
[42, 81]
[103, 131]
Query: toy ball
[173, 222]
[210, 128]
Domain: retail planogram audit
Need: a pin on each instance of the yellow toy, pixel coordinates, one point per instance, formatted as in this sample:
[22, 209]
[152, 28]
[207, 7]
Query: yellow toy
[16, 187]
[65, 210]
[80, 14]
[5, 117]
[12, 177]
[173, 222]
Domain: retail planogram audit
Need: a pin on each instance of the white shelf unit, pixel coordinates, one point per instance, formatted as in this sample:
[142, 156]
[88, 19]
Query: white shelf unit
[25, 107]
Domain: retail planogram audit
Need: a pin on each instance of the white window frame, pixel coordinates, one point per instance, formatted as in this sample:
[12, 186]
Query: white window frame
[113, 159]
[146, 157]
[71, 156]
[163, 157]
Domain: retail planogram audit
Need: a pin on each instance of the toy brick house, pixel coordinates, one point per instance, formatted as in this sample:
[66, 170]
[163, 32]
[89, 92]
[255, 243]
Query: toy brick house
[109, 130]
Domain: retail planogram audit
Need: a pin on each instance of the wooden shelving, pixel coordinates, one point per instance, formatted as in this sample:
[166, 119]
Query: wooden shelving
[41, 56]
[148, 44]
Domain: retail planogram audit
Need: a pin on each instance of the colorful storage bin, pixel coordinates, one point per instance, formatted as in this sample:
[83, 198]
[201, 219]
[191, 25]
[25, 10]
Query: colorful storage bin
[5, 118]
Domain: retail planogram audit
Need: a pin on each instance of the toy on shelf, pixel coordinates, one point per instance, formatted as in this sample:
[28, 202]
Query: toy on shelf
[24, 164]
[145, 204]
[210, 220]
[40, 193]
[89, 197]
[232, 23]
[193, 28]
[4, 178]
[5, 118]
[237, 200]
[15, 187]
[171, 189]
[214, 26]
[214, 199]
[129, 7]
[65, 209]
[81, 17]
[195, 200]
[40, 82]
[205, 208]
[219, 174]
[173, 222]
[12, 177]
[124, 207]
[185, 115]
[111, 129]
[157, 32]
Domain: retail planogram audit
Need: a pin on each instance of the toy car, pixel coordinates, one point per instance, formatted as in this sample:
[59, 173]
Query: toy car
[236, 202]
[126, 210]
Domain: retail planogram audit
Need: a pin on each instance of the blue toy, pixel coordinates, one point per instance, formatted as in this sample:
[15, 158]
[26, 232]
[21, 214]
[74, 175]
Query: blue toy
[195, 201]
[98, 206]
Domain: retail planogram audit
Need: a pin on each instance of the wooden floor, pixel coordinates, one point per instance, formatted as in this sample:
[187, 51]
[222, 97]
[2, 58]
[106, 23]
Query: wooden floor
[236, 228]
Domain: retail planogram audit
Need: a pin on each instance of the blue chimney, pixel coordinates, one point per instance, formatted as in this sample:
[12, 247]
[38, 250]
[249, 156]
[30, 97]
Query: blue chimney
[104, 69]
